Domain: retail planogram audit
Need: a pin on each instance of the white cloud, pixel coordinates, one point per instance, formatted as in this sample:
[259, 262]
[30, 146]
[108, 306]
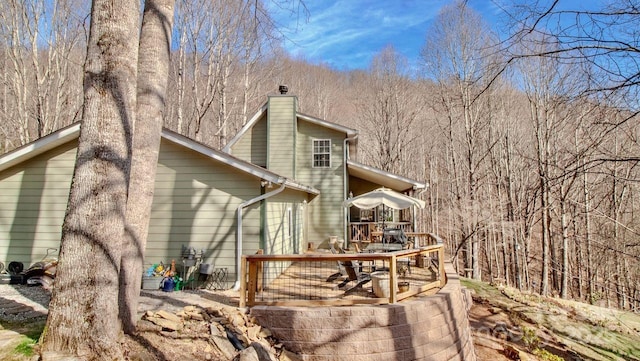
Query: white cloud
[346, 33]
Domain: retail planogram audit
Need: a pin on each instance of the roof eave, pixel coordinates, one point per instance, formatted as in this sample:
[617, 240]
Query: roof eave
[237, 163]
[39, 146]
[384, 178]
[245, 128]
[337, 127]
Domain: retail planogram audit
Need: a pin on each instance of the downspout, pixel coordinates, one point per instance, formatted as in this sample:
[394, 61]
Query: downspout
[413, 208]
[345, 214]
[236, 285]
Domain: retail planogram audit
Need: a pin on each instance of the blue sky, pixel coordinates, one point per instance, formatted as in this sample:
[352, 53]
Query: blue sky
[345, 34]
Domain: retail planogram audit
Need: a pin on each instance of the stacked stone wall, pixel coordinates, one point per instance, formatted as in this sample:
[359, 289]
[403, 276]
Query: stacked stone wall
[428, 328]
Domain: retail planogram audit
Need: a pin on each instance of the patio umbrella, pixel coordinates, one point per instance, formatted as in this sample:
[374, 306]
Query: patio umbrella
[383, 197]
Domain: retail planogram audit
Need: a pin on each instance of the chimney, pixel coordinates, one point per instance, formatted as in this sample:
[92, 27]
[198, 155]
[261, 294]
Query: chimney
[283, 89]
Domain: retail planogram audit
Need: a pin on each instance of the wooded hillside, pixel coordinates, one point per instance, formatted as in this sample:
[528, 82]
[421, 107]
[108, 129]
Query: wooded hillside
[528, 137]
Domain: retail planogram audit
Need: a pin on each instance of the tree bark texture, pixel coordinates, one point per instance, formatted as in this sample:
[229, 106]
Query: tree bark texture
[83, 314]
[153, 71]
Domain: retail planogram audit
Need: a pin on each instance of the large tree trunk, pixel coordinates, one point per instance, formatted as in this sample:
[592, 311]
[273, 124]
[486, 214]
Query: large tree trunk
[83, 316]
[153, 72]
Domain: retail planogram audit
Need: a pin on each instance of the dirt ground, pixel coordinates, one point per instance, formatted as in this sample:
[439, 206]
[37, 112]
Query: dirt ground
[150, 345]
[23, 312]
[509, 325]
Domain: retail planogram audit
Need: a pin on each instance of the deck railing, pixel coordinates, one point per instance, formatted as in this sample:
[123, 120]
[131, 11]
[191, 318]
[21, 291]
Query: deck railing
[313, 278]
[361, 231]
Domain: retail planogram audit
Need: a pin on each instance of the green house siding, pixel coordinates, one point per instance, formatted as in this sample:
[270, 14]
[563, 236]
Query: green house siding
[195, 205]
[283, 229]
[252, 147]
[325, 214]
[284, 223]
[281, 135]
[33, 203]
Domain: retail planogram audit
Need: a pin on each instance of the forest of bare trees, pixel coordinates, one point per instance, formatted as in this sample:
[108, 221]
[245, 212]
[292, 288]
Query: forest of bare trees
[529, 138]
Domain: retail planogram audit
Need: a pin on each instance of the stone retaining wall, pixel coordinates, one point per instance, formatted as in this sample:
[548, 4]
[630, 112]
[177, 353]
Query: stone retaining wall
[429, 328]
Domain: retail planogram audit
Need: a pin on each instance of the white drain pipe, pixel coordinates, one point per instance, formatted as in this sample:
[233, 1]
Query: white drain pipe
[345, 179]
[236, 285]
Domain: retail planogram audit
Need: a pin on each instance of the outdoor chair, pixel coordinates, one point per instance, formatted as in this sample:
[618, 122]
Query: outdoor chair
[351, 271]
[354, 274]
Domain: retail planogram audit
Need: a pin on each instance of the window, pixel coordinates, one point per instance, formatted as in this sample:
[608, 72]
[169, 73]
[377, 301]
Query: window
[322, 153]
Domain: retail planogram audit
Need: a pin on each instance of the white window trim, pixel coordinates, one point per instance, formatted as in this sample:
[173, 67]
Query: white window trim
[313, 153]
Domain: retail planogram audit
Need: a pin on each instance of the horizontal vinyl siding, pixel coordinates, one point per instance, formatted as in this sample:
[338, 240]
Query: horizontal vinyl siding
[33, 205]
[195, 204]
[281, 233]
[325, 215]
[281, 128]
[252, 147]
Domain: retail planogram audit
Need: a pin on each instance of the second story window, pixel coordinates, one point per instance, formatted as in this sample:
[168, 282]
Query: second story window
[322, 153]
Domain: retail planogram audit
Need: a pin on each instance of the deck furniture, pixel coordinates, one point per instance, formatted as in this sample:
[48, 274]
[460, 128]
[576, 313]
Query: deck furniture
[351, 271]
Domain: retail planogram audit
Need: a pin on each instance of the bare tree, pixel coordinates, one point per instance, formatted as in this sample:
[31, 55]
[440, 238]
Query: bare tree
[600, 42]
[81, 320]
[545, 82]
[153, 73]
[605, 35]
[222, 67]
[42, 83]
[388, 111]
[458, 56]
[209, 44]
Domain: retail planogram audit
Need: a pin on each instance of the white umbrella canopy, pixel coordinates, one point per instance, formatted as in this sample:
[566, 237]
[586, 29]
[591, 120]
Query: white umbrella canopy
[386, 197]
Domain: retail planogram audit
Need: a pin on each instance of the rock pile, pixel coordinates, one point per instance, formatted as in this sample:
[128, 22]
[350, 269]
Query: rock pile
[234, 333]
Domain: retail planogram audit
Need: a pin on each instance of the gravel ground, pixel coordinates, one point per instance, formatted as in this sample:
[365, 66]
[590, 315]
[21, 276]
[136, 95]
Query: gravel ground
[22, 302]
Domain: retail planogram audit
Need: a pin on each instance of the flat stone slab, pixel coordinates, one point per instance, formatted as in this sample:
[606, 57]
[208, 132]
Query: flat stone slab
[8, 337]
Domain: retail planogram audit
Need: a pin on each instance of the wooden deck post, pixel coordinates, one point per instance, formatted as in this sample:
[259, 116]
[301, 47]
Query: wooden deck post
[243, 282]
[252, 283]
[260, 274]
[393, 280]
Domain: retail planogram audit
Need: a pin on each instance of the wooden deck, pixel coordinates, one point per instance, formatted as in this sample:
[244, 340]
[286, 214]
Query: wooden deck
[315, 278]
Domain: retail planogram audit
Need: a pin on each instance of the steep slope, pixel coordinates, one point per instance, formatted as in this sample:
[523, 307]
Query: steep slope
[511, 325]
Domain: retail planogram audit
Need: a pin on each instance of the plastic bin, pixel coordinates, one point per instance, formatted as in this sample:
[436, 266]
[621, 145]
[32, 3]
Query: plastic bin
[380, 283]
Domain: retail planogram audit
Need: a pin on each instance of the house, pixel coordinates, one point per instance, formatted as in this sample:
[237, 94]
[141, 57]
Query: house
[321, 155]
[278, 185]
